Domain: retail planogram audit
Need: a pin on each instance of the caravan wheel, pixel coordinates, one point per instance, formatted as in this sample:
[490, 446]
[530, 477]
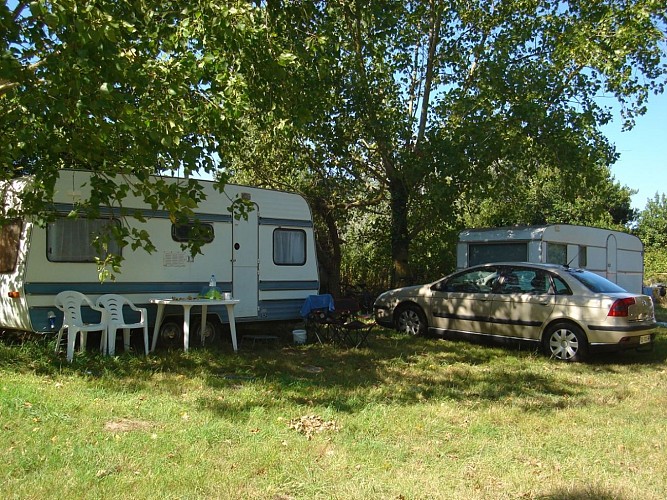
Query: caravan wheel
[171, 333]
[211, 334]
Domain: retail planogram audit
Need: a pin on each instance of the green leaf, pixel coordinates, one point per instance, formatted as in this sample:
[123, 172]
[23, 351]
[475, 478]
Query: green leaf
[286, 59]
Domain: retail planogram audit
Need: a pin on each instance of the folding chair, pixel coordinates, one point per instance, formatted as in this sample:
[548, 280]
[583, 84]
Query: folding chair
[318, 313]
[349, 330]
[354, 333]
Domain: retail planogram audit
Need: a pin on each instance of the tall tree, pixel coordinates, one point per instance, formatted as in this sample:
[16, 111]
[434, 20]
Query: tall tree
[435, 99]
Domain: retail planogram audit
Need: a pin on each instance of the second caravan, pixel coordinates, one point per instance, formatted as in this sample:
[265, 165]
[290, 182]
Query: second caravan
[615, 255]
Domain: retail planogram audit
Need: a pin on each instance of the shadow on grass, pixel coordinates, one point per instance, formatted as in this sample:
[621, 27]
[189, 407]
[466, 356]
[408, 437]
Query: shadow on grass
[394, 369]
[584, 493]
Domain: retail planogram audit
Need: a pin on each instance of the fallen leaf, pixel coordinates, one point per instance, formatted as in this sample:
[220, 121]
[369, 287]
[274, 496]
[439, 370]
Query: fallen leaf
[311, 424]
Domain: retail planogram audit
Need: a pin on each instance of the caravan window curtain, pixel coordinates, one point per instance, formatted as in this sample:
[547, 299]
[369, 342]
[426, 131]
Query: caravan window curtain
[70, 240]
[289, 247]
[10, 236]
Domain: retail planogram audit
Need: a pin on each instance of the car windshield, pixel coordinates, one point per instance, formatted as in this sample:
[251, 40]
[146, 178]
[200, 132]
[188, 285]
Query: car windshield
[595, 282]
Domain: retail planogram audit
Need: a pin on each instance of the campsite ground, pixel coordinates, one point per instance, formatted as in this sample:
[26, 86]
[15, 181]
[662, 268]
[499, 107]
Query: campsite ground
[403, 418]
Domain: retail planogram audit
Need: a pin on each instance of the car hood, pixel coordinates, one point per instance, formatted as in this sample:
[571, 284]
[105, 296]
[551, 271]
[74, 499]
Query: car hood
[402, 293]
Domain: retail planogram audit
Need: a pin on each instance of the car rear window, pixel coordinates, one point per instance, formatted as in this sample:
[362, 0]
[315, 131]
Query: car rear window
[595, 282]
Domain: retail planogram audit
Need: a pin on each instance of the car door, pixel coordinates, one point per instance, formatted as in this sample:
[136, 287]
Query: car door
[462, 301]
[523, 302]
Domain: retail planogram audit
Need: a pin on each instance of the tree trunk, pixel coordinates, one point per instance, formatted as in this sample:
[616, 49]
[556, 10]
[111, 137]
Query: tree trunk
[328, 250]
[400, 237]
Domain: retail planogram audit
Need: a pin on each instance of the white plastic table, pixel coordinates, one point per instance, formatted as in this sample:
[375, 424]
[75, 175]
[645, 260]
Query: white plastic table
[188, 304]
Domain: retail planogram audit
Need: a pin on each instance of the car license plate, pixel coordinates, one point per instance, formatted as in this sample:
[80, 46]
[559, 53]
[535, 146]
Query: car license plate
[644, 339]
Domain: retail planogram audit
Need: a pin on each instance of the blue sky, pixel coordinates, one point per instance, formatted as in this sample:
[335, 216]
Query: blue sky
[643, 162]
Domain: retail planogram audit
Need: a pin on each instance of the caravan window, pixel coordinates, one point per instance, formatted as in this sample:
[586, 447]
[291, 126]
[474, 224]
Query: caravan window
[10, 236]
[484, 253]
[70, 240]
[583, 258]
[192, 231]
[556, 253]
[289, 247]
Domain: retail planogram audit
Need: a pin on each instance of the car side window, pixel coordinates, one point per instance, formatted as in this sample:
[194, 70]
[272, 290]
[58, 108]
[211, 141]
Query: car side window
[540, 284]
[471, 281]
[530, 281]
[561, 287]
[511, 282]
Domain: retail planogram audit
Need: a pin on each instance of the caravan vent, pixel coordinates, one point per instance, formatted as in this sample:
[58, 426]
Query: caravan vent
[174, 259]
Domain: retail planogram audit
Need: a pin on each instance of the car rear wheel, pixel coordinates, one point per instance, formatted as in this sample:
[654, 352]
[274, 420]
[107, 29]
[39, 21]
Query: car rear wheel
[411, 320]
[565, 342]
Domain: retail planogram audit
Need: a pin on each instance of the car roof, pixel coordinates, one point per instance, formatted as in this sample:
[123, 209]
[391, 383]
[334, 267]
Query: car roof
[538, 265]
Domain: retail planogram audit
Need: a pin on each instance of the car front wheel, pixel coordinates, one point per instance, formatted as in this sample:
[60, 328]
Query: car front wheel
[565, 342]
[411, 320]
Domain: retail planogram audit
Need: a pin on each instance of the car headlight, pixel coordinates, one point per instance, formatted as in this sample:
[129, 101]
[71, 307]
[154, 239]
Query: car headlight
[382, 301]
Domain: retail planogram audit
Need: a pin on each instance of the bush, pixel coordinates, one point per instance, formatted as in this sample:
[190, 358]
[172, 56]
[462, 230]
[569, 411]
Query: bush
[655, 265]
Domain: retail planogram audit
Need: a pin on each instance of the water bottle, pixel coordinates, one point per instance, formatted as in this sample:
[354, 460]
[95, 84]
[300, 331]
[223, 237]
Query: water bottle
[51, 316]
[212, 282]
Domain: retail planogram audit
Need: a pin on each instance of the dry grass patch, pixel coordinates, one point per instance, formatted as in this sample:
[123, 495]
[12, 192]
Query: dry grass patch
[127, 425]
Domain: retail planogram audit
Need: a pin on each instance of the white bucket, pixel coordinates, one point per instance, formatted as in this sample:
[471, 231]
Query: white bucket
[299, 336]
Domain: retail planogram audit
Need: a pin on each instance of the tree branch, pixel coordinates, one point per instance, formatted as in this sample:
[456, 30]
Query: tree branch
[434, 39]
[17, 11]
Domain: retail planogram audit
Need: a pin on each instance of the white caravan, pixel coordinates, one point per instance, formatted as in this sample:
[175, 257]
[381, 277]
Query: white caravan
[267, 262]
[616, 255]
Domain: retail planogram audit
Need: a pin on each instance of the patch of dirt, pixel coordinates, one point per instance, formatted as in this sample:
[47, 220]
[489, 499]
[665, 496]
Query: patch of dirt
[313, 369]
[126, 425]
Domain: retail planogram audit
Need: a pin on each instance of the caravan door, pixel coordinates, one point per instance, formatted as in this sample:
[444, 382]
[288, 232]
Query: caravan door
[245, 257]
[611, 258]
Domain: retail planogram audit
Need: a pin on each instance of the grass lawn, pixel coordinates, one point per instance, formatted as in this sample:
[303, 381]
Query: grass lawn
[661, 314]
[405, 418]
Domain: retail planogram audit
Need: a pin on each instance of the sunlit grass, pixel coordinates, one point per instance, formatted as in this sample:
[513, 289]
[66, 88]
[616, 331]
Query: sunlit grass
[403, 418]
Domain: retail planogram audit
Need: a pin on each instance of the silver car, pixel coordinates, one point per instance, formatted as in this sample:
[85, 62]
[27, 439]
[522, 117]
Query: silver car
[567, 312]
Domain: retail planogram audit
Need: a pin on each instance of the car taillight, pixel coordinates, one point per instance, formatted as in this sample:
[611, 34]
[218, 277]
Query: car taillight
[620, 307]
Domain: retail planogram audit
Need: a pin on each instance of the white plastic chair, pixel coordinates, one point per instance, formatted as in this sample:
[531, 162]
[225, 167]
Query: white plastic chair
[113, 305]
[70, 303]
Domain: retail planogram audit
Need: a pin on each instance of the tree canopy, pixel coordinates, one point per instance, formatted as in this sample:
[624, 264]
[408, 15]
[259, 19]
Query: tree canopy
[418, 111]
